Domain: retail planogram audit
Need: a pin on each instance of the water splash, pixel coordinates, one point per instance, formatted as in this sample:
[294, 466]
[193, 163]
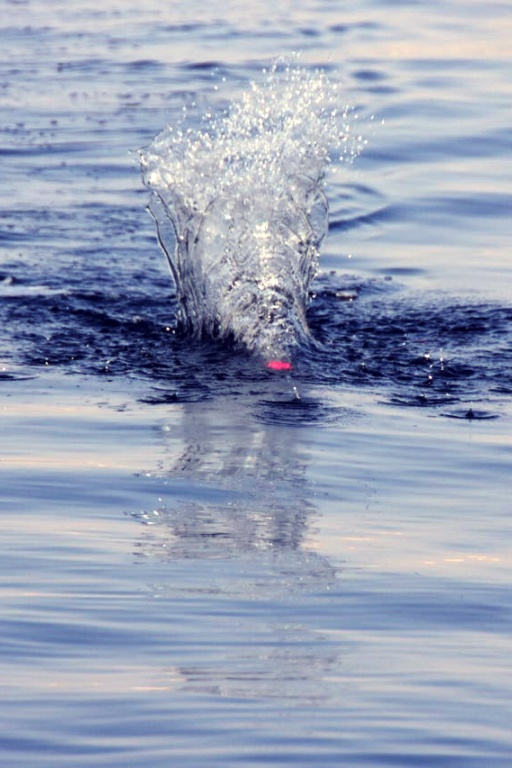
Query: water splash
[241, 212]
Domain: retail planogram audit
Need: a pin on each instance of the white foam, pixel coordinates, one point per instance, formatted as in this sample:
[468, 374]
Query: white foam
[240, 208]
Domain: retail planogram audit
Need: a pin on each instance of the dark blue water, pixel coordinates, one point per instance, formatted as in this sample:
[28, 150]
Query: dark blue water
[205, 562]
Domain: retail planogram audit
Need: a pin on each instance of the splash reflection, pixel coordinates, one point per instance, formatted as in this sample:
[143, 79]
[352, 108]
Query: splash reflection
[233, 539]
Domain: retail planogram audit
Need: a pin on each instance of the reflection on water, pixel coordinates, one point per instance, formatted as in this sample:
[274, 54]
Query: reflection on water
[244, 480]
[235, 528]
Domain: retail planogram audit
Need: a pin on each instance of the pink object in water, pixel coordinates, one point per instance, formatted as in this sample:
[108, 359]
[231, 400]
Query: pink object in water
[279, 365]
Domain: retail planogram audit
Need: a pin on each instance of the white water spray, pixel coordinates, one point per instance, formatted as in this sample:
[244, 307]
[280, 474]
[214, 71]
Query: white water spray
[241, 211]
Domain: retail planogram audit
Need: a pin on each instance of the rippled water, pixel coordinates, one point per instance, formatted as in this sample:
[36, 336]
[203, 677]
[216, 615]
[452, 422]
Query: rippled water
[206, 562]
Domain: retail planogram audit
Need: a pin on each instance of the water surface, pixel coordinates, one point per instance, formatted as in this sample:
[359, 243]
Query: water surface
[205, 562]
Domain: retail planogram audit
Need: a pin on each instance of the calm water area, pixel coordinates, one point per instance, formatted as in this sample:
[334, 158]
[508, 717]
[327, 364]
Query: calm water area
[206, 563]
